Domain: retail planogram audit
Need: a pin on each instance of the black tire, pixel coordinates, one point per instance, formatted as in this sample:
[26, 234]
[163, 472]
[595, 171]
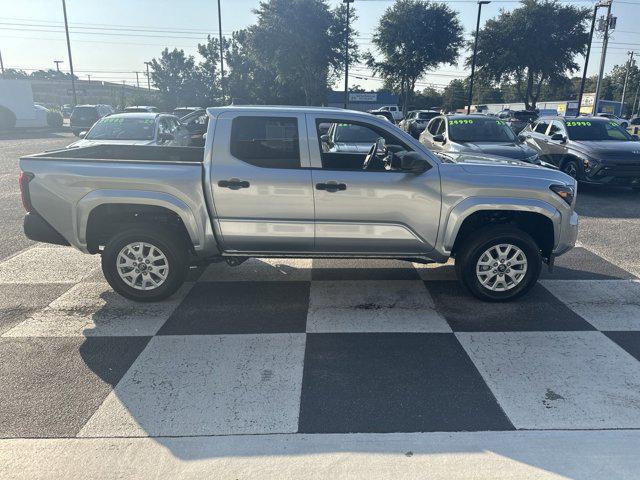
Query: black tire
[171, 245]
[468, 255]
[571, 168]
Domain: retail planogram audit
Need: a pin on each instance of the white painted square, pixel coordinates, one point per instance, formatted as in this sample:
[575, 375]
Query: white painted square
[436, 271]
[48, 265]
[207, 385]
[605, 304]
[558, 380]
[260, 270]
[93, 309]
[373, 306]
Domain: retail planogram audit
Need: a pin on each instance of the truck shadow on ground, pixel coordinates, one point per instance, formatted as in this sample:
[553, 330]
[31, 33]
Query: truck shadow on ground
[600, 201]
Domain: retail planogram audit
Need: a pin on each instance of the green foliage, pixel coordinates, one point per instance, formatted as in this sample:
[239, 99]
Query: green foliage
[455, 95]
[508, 53]
[414, 36]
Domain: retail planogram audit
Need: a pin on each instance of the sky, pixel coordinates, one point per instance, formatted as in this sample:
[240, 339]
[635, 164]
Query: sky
[111, 39]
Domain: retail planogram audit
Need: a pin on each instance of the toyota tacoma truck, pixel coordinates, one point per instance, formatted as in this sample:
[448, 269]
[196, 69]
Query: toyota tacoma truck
[265, 185]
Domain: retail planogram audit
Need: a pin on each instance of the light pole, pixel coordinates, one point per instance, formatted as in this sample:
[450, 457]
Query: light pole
[58, 62]
[626, 79]
[148, 77]
[1, 65]
[137, 80]
[603, 55]
[586, 58]
[346, 56]
[66, 29]
[475, 52]
[222, 89]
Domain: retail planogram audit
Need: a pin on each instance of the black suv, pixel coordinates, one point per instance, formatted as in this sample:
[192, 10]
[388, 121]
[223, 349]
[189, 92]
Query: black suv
[590, 149]
[517, 119]
[84, 116]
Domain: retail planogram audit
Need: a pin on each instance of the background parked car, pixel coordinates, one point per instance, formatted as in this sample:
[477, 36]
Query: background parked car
[136, 129]
[395, 111]
[84, 116]
[196, 124]
[634, 126]
[384, 114]
[475, 134]
[140, 108]
[183, 111]
[517, 119]
[589, 149]
[624, 123]
[416, 121]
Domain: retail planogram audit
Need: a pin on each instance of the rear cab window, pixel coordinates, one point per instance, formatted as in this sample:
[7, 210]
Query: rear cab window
[268, 142]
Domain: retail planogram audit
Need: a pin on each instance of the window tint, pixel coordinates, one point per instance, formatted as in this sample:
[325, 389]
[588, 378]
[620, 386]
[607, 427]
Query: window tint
[434, 125]
[270, 142]
[541, 127]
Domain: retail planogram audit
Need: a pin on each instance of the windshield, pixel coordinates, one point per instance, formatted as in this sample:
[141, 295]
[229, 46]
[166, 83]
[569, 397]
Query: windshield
[596, 130]
[427, 115]
[123, 129]
[349, 133]
[480, 130]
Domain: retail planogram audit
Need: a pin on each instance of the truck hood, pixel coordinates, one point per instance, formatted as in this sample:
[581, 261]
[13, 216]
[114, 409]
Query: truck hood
[503, 149]
[609, 150]
[91, 143]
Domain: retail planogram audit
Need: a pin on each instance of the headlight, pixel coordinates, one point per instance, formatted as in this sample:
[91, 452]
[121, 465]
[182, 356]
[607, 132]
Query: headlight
[565, 192]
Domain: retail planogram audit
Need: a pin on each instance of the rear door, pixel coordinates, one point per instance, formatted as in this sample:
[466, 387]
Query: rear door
[261, 182]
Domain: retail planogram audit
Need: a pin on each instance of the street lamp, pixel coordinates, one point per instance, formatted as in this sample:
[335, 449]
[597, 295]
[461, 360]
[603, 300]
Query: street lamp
[222, 89]
[58, 62]
[346, 57]
[475, 52]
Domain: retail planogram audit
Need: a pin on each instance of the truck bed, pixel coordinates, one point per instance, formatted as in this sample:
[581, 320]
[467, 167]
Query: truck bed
[126, 153]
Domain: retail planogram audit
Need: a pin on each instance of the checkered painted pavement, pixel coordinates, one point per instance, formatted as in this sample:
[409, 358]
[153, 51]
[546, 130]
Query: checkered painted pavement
[313, 346]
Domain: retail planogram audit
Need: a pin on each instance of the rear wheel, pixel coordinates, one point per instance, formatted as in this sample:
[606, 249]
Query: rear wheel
[498, 264]
[145, 264]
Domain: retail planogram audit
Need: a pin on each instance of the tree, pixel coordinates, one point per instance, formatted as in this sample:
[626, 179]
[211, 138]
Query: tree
[454, 95]
[414, 36]
[613, 83]
[173, 75]
[532, 45]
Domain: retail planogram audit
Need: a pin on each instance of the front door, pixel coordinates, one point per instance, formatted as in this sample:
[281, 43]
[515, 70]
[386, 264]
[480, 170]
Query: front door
[373, 211]
[261, 182]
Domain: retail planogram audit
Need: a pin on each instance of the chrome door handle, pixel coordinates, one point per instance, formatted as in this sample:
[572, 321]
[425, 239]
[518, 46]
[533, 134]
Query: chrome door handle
[331, 186]
[233, 184]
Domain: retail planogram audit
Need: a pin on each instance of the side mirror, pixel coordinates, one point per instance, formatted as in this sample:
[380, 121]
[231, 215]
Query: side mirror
[82, 134]
[522, 138]
[413, 162]
[439, 138]
[326, 139]
[558, 137]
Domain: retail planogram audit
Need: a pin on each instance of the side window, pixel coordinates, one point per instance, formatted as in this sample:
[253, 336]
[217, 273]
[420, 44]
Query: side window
[541, 127]
[557, 127]
[441, 127]
[434, 126]
[269, 142]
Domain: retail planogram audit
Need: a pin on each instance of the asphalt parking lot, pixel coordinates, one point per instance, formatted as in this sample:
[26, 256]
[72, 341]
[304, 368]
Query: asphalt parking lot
[312, 368]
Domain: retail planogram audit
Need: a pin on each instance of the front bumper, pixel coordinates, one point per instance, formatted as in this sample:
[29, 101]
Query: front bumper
[38, 229]
[621, 174]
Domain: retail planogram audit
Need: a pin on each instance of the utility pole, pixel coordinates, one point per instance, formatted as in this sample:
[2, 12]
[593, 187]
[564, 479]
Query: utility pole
[475, 52]
[626, 79]
[603, 56]
[148, 77]
[137, 80]
[346, 56]
[1, 65]
[222, 89]
[635, 99]
[58, 62]
[66, 29]
[89, 77]
[586, 58]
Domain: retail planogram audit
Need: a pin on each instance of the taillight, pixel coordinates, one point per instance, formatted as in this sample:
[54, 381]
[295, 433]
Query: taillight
[23, 180]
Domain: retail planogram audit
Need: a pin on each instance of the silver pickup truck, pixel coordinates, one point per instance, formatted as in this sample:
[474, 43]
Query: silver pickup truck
[265, 185]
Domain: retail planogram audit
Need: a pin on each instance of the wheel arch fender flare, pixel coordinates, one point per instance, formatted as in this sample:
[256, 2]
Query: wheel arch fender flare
[96, 198]
[463, 210]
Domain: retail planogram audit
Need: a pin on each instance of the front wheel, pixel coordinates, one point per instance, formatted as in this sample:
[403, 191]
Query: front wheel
[145, 264]
[571, 168]
[499, 264]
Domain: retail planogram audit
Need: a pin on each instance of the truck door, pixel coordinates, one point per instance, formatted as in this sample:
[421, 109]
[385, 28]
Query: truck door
[556, 149]
[261, 183]
[373, 211]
